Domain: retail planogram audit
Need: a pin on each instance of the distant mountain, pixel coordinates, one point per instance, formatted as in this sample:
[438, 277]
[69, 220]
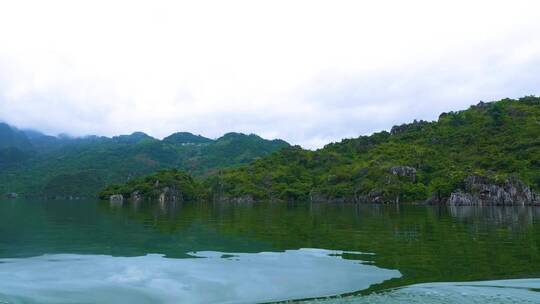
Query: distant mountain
[230, 150]
[186, 138]
[11, 137]
[15, 147]
[133, 138]
[32, 163]
[42, 143]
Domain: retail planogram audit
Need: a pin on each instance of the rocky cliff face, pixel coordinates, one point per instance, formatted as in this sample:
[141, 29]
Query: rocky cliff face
[481, 190]
[404, 171]
[164, 195]
[116, 198]
[12, 195]
[170, 194]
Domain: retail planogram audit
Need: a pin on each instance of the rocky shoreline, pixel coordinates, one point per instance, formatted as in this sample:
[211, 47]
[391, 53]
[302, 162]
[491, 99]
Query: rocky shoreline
[478, 190]
[481, 190]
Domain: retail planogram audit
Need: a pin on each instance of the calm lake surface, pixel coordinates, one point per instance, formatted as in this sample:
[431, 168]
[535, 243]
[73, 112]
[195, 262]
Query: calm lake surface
[97, 252]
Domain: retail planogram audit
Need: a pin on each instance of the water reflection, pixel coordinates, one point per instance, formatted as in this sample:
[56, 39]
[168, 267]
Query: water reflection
[425, 243]
[497, 215]
[212, 278]
[428, 243]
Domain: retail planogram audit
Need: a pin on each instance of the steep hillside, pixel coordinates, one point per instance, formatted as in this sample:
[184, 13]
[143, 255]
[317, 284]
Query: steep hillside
[11, 137]
[15, 146]
[413, 162]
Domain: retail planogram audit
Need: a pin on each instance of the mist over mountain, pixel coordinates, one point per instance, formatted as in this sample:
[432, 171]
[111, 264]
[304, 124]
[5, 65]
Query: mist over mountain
[37, 164]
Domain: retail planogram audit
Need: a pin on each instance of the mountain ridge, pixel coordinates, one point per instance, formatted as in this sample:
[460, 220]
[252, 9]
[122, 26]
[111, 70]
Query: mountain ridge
[65, 166]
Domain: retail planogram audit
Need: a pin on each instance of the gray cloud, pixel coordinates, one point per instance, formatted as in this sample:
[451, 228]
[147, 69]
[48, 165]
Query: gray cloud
[173, 68]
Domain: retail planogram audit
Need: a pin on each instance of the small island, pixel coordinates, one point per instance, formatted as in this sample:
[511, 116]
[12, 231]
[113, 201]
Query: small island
[163, 186]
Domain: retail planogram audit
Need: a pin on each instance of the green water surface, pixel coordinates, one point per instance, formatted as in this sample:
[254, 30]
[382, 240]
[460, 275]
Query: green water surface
[426, 244]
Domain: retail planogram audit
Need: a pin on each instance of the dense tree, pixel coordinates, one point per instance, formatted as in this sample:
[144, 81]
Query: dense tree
[151, 186]
[496, 139]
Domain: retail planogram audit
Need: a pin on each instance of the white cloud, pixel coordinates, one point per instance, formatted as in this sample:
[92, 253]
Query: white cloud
[306, 71]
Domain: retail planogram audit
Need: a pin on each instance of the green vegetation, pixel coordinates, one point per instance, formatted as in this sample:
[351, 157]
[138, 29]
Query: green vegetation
[151, 186]
[12, 138]
[34, 164]
[497, 139]
[413, 162]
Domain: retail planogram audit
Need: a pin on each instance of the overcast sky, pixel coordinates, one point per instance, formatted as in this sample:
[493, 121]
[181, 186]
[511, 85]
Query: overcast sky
[310, 72]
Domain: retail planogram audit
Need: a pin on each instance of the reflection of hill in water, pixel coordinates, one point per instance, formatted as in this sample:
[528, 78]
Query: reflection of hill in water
[33, 228]
[425, 243]
[497, 215]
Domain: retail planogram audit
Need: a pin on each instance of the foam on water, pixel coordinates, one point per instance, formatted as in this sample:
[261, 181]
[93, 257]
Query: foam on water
[209, 277]
[521, 291]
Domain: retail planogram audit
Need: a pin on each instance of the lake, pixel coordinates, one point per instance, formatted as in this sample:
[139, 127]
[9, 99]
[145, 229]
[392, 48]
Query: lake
[98, 252]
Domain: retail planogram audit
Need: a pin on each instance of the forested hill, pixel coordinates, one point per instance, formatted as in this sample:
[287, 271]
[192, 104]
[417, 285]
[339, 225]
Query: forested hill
[35, 164]
[417, 161]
